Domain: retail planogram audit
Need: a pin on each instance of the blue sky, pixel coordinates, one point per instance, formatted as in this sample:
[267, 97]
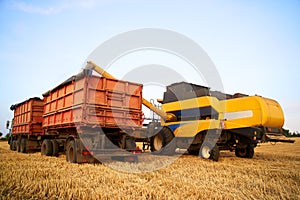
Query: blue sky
[255, 45]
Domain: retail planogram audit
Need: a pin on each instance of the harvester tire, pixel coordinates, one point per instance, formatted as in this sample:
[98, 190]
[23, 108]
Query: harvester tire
[55, 146]
[240, 152]
[23, 145]
[209, 151]
[71, 152]
[215, 153]
[156, 142]
[163, 143]
[250, 151]
[47, 148]
[194, 149]
[247, 152]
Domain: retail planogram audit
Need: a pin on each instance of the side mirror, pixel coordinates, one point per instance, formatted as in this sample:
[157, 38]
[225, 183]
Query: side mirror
[7, 124]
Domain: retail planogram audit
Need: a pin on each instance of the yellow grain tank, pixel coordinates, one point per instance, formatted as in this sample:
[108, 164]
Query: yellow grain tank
[252, 111]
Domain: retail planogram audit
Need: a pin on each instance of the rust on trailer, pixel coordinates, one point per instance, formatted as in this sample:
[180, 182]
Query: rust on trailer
[28, 117]
[89, 100]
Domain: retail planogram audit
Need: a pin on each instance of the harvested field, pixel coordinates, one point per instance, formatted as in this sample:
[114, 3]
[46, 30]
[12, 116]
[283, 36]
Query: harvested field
[273, 173]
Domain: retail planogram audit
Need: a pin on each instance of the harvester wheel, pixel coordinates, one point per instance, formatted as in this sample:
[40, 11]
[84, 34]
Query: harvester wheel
[194, 149]
[55, 146]
[208, 151]
[215, 153]
[247, 152]
[47, 148]
[250, 151]
[240, 152]
[23, 145]
[157, 142]
[163, 143]
[71, 152]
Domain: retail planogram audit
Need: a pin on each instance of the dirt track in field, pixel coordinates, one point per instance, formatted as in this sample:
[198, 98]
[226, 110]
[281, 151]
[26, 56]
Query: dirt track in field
[273, 173]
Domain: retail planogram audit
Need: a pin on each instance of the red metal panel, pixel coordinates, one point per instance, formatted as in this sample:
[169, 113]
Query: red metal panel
[114, 93]
[94, 101]
[113, 117]
[28, 117]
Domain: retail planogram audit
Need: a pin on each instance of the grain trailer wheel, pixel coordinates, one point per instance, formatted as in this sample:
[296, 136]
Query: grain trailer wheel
[23, 148]
[18, 145]
[71, 152]
[47, 148]
[55, 146]
[164, 142]
[130, 144]
[13, 145]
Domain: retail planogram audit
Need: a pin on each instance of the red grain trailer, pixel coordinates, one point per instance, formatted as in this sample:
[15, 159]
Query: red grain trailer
[27, 125]
[90, 115]
[85, 116]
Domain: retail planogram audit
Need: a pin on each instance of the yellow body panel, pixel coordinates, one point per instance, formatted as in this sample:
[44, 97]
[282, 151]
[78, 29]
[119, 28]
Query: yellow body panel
[252, 111]
[191, 128]
[192, 103]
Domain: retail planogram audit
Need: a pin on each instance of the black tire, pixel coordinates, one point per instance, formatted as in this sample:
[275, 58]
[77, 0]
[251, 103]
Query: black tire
[209, 151]
[247, 152]
[11, 145]
[130, 144]
[23, 148]
[55, 147]
[194, 149]
[164, 142]
[215, 153]
[250, 151]
[14, 145]
[47, 148]
[18, 145]
[240, 152]
[71, 152]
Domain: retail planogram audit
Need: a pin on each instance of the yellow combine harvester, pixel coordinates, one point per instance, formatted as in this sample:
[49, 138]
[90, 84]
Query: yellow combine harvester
[205, 122]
